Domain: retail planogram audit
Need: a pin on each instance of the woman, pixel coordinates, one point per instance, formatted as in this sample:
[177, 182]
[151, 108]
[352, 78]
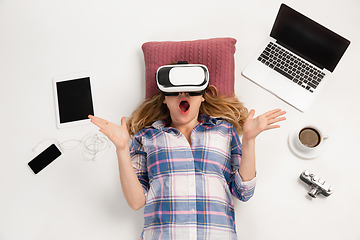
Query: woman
[186, 160]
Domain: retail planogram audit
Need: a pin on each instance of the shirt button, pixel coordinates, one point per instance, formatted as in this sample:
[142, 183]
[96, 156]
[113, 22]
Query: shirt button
[190, 160]
[192, 210]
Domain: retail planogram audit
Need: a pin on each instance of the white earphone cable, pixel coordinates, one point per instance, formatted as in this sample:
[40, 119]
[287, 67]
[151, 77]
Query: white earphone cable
[93, 144]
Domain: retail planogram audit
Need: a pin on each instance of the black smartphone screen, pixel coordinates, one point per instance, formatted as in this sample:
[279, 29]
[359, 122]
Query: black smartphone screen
[44, 158]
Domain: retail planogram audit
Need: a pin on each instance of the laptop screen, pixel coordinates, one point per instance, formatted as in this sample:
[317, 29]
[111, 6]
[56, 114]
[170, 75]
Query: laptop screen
[308, 39]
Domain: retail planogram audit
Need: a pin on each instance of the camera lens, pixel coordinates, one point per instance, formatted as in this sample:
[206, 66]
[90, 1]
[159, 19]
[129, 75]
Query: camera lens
[314, 191]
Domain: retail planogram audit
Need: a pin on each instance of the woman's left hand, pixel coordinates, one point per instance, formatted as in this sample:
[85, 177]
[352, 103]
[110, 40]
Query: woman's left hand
[254, 126]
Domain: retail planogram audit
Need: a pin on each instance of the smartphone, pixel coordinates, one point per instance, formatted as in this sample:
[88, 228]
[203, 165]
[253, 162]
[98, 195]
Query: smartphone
[45, 158]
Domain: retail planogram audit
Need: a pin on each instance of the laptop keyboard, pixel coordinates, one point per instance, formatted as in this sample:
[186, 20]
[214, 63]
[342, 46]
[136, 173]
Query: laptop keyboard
[291, 67]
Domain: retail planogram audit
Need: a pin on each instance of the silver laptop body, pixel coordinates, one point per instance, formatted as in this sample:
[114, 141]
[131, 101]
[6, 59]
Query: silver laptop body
[296, 61]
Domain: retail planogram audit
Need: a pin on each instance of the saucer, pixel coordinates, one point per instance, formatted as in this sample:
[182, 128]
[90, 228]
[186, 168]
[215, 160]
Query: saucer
[313, 153]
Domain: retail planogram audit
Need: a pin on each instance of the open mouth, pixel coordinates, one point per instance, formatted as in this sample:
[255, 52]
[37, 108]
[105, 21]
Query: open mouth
[184, 106]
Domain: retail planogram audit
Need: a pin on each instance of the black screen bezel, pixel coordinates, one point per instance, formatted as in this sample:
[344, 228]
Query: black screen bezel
[308, 39]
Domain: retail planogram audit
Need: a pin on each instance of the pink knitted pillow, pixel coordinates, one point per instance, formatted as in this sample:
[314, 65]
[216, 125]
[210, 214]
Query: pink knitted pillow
[216, 53]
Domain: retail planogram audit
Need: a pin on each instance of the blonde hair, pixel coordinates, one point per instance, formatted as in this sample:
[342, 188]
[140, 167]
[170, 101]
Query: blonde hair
[152, 109]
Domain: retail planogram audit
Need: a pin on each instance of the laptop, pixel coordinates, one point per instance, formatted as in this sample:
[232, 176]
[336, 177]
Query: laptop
[298, 58]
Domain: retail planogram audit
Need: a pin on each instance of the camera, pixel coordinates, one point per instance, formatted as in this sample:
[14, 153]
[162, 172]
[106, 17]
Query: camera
[317, 185]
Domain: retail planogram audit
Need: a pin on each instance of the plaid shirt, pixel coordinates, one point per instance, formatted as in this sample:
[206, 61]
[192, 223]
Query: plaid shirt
[188, 188]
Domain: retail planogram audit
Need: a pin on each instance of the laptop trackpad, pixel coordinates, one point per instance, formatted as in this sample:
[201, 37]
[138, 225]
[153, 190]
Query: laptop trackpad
[278, 84]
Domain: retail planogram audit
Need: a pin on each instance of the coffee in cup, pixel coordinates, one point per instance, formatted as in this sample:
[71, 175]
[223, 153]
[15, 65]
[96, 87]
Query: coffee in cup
[307, 141]
[310, 137]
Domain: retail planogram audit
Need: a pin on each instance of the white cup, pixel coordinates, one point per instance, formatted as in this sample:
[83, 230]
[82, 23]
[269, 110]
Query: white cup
[309, 137]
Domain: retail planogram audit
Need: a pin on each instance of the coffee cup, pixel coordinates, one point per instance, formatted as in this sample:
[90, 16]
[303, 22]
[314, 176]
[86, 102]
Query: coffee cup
[309, 137]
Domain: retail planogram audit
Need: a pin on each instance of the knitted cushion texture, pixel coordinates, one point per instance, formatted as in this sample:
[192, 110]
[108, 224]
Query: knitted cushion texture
[216, 53]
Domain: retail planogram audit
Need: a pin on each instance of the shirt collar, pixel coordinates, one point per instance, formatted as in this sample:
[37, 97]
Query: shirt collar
[203, 120]
[208, 120]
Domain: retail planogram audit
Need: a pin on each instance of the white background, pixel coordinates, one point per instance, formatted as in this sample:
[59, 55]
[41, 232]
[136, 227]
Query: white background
[77, 199]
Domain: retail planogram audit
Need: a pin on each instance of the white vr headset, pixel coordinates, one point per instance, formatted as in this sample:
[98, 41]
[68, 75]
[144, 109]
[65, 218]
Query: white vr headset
[182, 78]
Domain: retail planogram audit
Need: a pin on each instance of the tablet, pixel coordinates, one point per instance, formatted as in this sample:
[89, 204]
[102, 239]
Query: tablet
[73, 99]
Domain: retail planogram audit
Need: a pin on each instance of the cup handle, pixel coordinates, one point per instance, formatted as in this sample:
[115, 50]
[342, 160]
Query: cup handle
[325, 137]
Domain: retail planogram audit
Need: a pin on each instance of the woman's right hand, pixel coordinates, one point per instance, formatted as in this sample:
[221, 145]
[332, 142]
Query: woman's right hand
[119, 135]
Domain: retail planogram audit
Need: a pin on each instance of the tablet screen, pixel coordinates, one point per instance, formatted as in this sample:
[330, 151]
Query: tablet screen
[74, 100]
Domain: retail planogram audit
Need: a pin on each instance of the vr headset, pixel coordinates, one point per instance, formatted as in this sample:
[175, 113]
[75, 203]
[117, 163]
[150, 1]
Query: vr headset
[182, 77]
